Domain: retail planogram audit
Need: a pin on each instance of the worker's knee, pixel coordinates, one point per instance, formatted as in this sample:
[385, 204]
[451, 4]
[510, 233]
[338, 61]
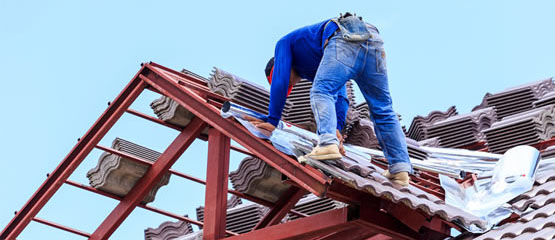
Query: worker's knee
[383, 114]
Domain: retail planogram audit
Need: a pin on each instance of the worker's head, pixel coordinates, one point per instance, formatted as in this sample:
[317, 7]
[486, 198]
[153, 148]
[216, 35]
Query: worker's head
[269, 70]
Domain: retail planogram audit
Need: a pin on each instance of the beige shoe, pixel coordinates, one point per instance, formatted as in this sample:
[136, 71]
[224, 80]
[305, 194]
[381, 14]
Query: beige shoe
[329, 152]
[401, 178]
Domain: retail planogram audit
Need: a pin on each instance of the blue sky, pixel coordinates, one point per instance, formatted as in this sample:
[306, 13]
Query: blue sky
[62, 61]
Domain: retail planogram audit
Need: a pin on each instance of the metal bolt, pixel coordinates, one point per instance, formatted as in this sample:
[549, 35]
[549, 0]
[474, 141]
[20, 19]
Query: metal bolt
[78, 139]
[15, 213]
[109, 103]
[48, 175]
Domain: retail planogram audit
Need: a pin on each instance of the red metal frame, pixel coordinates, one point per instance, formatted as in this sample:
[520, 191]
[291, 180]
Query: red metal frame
[370, 219]
[61, 227]
[151, 177]
[303, 228]
[215, 206]
[282, 206]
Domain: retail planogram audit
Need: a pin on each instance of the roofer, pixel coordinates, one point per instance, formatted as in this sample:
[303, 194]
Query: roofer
[329, 53]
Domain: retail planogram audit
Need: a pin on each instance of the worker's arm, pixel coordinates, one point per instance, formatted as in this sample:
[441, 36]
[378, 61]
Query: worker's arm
[293, 79]
[280, 80]
[341, 107]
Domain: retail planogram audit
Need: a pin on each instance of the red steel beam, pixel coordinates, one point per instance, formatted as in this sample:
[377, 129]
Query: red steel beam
[74, 158]
[286, 201]
[149, 179]
[352, 233]
[155, 120]
[61, 227]
[303, 228]
[315, 183]
[215, 201]
[153, 209]
[380, 222]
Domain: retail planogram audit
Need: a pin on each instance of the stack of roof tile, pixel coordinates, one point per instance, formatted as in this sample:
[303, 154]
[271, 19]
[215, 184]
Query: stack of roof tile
[519, 99]
[351, 93]
[168, 230]
[311, 205]
[363, 110]
[170, 111]
[362, 134]
[462, 130]
[242, 218]
[117, 175]
[256, 178]
[231, 203]
[526, 128]
[419, 127]
[300, 112]
[241, 91]
[547, 99]
[414, 149]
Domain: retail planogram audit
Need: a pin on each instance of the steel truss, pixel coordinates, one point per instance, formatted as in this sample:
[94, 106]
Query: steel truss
[367, 217]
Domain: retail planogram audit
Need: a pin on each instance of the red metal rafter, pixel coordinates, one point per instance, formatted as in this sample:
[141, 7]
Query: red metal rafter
[286, 201]
[61, 227]
[73, 159]
[149, 179]
[153, 209]
[215, 200]
[315, 183]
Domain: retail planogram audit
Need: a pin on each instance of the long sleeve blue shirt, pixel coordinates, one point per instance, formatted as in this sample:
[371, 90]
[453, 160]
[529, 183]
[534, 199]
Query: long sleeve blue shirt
[301, 50]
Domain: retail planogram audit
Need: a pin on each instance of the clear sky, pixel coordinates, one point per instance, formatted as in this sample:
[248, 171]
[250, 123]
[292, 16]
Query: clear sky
[62, 61]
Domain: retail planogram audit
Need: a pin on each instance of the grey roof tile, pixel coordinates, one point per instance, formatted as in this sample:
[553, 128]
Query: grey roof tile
[511, 231]
[118, 175]
[168, 230]
[419, 126]
[256, 178]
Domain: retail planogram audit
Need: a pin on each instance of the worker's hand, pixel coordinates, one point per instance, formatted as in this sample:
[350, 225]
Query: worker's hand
[265, 126]
[340, 138]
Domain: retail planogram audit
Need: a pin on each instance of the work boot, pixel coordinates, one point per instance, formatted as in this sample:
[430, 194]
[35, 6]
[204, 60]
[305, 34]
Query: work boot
[322, 153]
[401, 178]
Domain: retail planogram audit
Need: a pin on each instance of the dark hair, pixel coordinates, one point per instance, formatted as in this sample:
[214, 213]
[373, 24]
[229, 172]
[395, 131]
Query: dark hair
[269, 67]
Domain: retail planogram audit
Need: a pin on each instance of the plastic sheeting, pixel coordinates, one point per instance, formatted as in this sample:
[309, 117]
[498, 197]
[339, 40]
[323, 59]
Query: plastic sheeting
[503, 177]
[512, 175]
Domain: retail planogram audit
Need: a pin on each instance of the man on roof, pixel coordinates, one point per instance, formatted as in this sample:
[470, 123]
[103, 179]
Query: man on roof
[329, 53]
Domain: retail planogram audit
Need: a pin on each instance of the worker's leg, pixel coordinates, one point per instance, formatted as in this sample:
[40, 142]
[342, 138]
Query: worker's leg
[374, 87]
[337, 66]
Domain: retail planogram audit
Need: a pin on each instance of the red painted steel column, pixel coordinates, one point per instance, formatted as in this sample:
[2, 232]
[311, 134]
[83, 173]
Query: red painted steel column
[74, 158]
[151, 177]
[215, 201]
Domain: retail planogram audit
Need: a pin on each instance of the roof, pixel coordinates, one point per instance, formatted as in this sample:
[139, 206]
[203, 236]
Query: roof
[447, 129]
[375, 205]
